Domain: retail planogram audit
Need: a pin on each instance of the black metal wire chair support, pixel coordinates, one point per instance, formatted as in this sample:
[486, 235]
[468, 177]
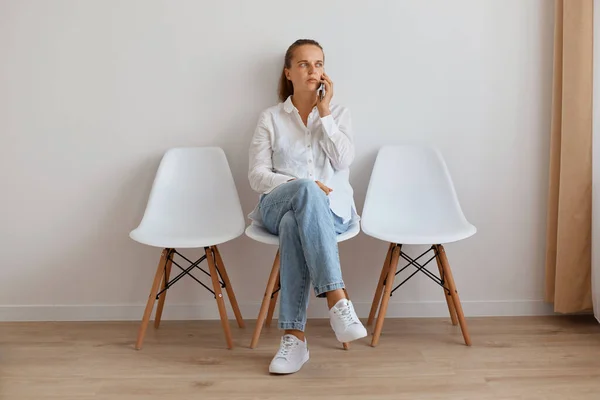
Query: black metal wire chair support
[186, 271]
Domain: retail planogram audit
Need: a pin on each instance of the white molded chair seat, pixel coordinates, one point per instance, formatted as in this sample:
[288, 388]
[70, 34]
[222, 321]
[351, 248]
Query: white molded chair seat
[193, 203]
[426, 233]
[411, 200]
[260, 234]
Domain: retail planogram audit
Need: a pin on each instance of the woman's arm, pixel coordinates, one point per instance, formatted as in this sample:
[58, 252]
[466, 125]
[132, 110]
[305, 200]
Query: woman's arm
[337, 139]
[260, 173]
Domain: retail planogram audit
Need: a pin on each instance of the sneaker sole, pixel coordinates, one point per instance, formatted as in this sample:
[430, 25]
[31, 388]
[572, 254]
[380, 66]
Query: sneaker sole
[351, 338]
[292, 371]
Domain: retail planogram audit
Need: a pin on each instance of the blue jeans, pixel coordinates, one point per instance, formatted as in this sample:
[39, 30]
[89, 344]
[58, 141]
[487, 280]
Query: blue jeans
[298, 212]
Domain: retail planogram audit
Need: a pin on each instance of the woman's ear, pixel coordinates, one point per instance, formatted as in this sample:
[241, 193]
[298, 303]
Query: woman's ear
[287, 74]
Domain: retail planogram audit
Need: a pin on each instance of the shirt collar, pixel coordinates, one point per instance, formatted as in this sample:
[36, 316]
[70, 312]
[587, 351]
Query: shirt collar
[288, 106]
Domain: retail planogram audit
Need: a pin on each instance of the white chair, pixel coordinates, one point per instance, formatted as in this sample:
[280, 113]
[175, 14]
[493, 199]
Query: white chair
[411, 200]
[267, 307]
[193, 204]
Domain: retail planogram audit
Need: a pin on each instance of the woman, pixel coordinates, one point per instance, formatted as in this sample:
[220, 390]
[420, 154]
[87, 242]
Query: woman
[299, 159]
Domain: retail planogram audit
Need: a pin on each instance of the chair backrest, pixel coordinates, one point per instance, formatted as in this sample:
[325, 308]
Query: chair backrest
[411, 190]
[194, 194]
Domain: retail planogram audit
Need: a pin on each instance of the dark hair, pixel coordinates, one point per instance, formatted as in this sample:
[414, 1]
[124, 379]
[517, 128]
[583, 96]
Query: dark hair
[286, 88]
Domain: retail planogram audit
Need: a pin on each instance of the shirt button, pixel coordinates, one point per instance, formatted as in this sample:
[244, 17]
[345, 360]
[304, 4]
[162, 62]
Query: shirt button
[309, 161]
[308, 146]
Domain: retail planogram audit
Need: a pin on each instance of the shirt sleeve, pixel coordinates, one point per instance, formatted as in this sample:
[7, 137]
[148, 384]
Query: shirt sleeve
[337, 140]
[260, 173]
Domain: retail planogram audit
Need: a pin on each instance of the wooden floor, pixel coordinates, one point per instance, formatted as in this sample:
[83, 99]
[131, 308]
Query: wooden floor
[511, 358]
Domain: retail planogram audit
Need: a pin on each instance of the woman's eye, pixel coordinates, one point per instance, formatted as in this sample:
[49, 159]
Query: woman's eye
[303, 64]
[319, 65]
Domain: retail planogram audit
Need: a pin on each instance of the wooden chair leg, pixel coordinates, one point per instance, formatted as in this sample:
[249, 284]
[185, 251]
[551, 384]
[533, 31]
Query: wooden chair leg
[228, 287]
[151, 299]
[379, 289]
[273, 302]
[389, 283]
[346, 345]
[214, 276]
[454, 293]
[163, 296]
[264, 308]
[447, 294]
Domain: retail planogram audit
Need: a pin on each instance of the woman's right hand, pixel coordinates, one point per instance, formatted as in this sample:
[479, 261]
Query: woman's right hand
[324, 188]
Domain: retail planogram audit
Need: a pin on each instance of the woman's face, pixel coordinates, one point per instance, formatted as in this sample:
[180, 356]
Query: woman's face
[306, 68]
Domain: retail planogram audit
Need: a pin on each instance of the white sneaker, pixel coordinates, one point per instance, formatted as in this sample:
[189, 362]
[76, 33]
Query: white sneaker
[345, 323]
[292, 355]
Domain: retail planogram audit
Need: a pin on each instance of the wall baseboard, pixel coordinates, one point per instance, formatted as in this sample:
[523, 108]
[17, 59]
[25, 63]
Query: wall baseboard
[208, 310]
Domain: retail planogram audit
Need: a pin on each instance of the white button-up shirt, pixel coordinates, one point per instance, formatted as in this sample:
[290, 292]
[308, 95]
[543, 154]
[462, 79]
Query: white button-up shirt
[283, 148]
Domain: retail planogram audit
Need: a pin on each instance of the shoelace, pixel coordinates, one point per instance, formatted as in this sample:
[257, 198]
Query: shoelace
[346, 316]
[287, 344]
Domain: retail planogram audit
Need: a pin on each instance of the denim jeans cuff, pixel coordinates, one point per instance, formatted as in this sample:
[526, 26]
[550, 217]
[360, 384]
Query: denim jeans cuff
[298, 326]
[321, 290]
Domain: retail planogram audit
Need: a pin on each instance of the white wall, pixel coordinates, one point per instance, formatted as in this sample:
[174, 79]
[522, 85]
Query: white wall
[93, 92]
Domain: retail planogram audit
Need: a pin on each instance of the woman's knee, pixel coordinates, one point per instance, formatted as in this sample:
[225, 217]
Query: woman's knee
[309, 189]
[305, 183]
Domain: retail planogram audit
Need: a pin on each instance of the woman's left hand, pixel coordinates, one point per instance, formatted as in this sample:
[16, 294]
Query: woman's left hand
[324, 188]
[323, 105]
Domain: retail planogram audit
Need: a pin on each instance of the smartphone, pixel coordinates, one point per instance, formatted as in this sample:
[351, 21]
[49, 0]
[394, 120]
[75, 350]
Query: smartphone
[321, 91]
